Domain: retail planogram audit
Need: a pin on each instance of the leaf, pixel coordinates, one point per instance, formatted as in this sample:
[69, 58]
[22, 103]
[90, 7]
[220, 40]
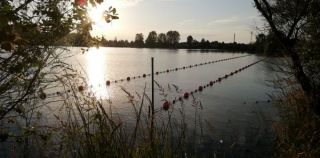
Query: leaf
[4, 137]
[8, 46]
[114, 17]
[114, 10]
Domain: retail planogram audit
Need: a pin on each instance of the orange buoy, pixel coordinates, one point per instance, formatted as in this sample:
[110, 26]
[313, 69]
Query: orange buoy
[128, 78]
[108, 83]
[200, 88]
[186, 95]
[166, 105]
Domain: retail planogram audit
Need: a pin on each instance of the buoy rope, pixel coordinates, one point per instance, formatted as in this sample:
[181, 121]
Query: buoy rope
[109, 82]
[186, 95]
[81, 88]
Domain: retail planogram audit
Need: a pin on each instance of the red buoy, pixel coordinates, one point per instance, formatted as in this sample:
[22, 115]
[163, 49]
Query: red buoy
[200, 88]
[128, 78]
[108, 83]
[166, 105]
[43, 95]
[80, 88]
[186, 95]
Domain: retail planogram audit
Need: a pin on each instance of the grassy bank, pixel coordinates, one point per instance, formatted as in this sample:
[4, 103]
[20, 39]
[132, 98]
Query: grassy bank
[298, 132]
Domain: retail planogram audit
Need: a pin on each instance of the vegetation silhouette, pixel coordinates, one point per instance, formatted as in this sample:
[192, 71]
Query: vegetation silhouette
[264, 44]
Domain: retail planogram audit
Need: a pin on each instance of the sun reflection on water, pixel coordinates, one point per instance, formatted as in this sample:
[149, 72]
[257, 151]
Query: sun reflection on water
[96, 72]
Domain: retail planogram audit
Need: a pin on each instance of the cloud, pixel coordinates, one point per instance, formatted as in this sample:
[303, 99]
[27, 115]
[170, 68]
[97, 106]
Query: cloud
[230, 20]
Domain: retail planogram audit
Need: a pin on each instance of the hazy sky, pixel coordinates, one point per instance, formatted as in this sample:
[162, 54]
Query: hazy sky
[210, 19]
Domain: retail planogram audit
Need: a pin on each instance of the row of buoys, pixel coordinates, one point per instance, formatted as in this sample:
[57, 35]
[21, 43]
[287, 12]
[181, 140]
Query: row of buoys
[167, 104]
[108, 83]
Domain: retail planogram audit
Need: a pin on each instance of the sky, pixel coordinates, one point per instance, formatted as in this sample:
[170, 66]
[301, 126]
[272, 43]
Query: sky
[214, 20]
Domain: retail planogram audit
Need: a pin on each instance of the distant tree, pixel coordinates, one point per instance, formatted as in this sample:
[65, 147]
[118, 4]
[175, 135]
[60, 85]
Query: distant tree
[151, 40]
[189, 41]
[162, 39]
[260, 44]
[139, 40]
[173, 38]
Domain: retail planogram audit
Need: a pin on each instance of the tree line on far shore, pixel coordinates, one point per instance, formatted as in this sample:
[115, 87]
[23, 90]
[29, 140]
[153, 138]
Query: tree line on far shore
[264, 43]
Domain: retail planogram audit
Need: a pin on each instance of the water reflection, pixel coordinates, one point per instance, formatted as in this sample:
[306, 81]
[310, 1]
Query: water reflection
[96, 72]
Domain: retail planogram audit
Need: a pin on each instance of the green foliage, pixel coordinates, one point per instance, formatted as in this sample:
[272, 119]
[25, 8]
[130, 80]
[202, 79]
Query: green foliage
[173, 38]
[189, 41]
[28, 30]
[162, 39]
[151, 40]
[296, 26]
[139, 40]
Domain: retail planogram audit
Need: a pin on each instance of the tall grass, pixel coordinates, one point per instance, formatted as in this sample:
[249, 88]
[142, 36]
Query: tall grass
[298, 132]
[85, 126]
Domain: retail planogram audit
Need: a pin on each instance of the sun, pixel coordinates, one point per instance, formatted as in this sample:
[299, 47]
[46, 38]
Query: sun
[99, 25]
[96, 14]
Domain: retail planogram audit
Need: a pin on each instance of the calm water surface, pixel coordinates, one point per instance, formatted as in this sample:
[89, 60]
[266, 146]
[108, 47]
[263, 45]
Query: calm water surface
[230, 108]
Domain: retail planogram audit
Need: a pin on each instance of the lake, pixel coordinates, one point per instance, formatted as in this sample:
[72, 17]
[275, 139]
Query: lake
[237, 111]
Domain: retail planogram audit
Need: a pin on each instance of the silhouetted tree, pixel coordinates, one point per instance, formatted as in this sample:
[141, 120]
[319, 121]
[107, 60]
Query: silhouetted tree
[139, 40]
[162, 40]
[293, 22]
[189, 41]
[173, 38]
[151, 40]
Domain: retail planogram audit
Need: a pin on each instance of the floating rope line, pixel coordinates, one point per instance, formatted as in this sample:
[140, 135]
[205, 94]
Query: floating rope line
[81, 88]
[186, 95]
[109, 82]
